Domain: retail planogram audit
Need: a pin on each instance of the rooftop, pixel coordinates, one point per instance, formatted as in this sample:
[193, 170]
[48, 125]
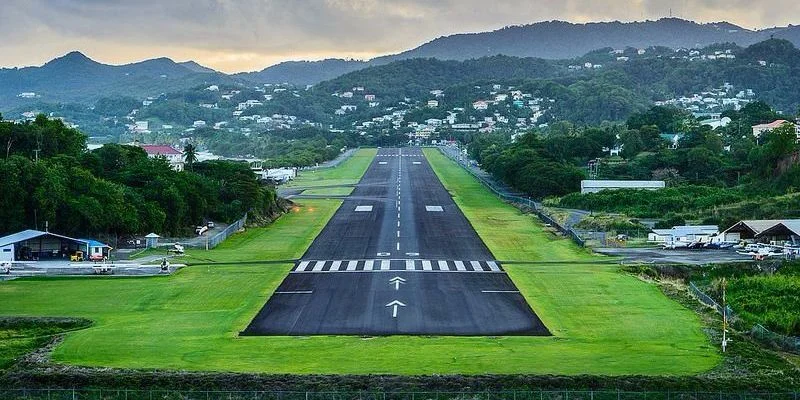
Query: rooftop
[158, 149]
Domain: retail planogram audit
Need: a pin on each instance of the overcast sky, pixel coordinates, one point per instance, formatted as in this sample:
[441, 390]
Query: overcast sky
[244, 35]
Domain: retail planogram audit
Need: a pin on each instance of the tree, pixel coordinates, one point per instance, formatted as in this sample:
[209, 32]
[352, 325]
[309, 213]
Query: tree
[190, 155]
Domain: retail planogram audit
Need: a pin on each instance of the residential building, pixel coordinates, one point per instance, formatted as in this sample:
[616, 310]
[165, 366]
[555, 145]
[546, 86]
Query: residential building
[758, 130]
[174, 157]
[433, 103]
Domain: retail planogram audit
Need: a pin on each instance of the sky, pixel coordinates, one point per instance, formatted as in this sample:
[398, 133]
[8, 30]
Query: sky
[248, 35]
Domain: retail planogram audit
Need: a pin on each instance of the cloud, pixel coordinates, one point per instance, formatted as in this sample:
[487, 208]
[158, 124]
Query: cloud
[246, 34]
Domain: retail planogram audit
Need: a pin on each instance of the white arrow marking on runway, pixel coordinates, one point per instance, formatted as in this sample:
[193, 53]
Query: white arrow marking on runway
[394, 306]
[396, 281]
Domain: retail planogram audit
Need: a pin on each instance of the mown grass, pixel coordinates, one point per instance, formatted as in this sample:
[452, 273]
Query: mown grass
[347, 173]
[604, 322]
[19, 336]
[332, 191]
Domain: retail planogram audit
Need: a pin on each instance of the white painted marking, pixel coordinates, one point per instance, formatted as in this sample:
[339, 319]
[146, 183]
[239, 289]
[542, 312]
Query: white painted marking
[368, 265]
[410, 265]
[416, 163]
[351, 266]
[412, 254]
[476, 265]
[296, 292]
[398, 234]
[398, 246]
[398, 224]
[493, 266]
[385, 264]
[434, 208]
[363, 208]
[384, 254]
[460, 266]
[382, 163]
[397, 281]
[443, 266]
[426, 265]
[335, 266]
[302, 266]
[499, 291]
[398, 215]
[319, 265]
[394, 306]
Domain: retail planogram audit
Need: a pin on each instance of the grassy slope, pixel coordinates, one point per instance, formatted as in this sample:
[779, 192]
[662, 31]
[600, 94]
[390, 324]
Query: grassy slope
[347, 173]
[604, 322]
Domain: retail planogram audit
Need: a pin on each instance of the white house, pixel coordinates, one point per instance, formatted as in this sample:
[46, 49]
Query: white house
[174, 157]
[480, 105]
[760, 129]
[199, 124]
[433, 103]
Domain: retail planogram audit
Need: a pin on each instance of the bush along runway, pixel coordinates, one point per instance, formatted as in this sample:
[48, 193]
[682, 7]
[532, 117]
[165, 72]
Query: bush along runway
[397, 258]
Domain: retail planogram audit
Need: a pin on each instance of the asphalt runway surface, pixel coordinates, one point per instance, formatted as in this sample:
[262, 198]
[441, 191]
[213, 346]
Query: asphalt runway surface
[397, 258]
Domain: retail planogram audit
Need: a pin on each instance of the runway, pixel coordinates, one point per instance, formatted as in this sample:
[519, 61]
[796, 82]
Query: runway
[398, 257]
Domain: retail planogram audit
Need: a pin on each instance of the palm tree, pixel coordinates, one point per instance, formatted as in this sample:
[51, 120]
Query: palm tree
[190, 154]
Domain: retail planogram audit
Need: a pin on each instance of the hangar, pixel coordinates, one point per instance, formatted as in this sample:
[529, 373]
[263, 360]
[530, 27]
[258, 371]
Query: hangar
[33, 245]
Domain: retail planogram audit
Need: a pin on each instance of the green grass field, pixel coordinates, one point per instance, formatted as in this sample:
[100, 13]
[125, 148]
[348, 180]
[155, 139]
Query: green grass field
[331, 191]
[604, 322]
[347, 173]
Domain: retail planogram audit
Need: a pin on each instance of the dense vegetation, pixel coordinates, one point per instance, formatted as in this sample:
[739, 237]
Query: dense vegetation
[49, 177]
[716, 176]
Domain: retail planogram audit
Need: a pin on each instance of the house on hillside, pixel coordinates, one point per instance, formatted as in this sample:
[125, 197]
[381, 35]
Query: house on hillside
[174, 157]
[760, 129]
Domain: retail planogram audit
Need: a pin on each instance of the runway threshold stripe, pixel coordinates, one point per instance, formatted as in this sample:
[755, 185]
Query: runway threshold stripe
[335, 266]
[302, 266]
[426, 265]
[410, 265]
[318, 266]
[460, 266]
[476, 265]
[351, 266]
[368, 265]
[385, 265]
[493, 266]
[443, 266]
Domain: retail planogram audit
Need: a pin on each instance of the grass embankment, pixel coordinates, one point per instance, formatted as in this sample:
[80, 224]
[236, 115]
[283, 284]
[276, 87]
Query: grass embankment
[347, 173]
[19, 336]
[604, 322]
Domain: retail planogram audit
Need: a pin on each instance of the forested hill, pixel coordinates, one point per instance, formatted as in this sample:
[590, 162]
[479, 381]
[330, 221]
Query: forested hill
[115, 190]
[548, 40]
[76, 78]
[771, 68]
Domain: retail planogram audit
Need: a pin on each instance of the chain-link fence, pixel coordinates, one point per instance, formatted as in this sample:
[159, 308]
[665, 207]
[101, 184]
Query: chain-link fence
[707, 300]
[758, 331]
[521, 202]
[98, 394]
[236, 226]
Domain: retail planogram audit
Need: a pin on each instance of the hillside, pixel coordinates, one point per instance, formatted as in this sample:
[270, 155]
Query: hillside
[548, 40]
[77, 78]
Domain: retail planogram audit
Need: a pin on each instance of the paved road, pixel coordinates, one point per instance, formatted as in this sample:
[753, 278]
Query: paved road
[398, 257]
